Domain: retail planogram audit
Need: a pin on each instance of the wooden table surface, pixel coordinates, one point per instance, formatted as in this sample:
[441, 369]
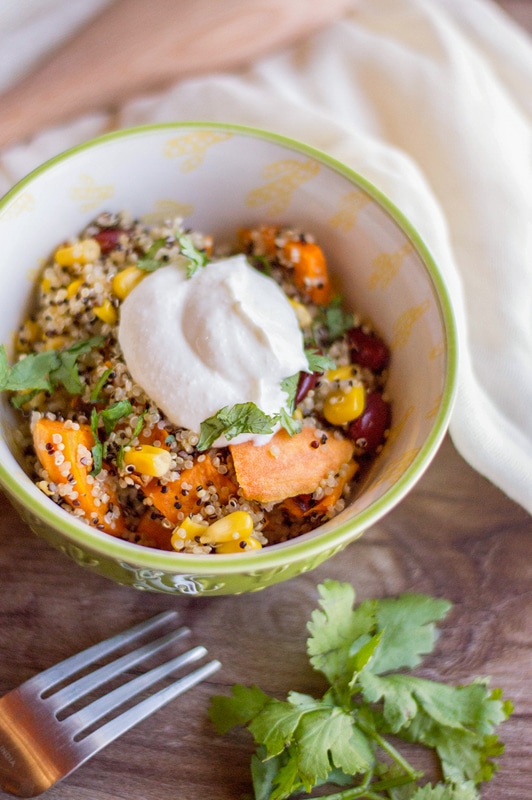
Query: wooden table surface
[455, 536]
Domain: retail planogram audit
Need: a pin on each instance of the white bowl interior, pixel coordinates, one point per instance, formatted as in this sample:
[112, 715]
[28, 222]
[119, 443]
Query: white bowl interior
[220, 178]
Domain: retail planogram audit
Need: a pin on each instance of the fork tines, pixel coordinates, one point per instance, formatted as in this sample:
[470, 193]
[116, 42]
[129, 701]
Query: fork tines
[48, 740]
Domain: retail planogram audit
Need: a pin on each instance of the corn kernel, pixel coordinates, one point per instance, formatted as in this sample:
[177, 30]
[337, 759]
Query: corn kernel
[56, 342]
[83, 252]
[188, 529]
[148, 460]
[342, 407]
[340, 373]
[106, 312]
[239, 546]
[29, 332]
[46, 285]
[73, 287]
[302, 313]
[126, 280]
[232, 527]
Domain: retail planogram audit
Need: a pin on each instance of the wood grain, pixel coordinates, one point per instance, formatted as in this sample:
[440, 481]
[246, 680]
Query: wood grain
[454, 536]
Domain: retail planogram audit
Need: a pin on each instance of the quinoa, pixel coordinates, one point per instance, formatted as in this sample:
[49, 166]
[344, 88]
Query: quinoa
[78, 300]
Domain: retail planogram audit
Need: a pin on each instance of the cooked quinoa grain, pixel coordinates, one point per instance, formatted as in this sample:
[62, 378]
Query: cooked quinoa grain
[100, 448]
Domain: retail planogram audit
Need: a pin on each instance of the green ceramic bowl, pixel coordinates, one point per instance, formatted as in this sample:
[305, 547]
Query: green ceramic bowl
[221, 177]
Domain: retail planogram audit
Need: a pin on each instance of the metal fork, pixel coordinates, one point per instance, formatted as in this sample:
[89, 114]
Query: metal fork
[37, 748]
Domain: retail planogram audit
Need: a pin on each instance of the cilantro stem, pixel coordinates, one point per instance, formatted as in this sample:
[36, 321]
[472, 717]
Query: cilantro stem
[370, 792]
[390, 750]
[95, 394]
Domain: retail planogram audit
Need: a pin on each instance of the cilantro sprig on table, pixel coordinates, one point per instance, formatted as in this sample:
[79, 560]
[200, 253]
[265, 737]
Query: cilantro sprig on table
[349, 738]
[45, 371]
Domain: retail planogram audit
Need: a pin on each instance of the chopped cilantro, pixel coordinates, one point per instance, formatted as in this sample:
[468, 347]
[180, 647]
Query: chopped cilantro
[230, 422]
[196, 258]
[109, 418]
[114, 413]
[248, 418]
[335, 319]
[95, 394]
[149, 262]
[122, 448]
[287, 421]
[45, 371]
[289, 385]
[317, 362]
[98, 450]
[342, 739]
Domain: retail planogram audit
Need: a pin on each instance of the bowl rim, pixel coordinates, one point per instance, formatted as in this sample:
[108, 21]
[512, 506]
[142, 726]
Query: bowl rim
[26, 493]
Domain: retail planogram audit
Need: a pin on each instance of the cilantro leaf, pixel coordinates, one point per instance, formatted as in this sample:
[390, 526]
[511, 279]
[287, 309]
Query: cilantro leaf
[289, 385]
[4, 368]
[95, 394]
[408, 629]
[114, 413]
[459, 723]
[230, 422]
[317, 362]
[109, 418]
[32, 372]
[66, 371]
[335, 319]
[279, 771]
[47, 370]
[287, 421]
[448, 792]
[326, 738]
[243, 706]
[275, 725]
[149, 261]
[97, 449]
[334, 628]
[138, 427]
[196, 258]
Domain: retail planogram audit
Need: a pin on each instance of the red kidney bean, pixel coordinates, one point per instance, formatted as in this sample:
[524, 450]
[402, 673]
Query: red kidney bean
[108, 238]
[367, 431]
[307, 381]
[368, 350]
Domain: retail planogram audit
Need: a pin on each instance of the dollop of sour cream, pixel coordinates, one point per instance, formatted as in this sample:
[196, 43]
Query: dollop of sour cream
[226, 335]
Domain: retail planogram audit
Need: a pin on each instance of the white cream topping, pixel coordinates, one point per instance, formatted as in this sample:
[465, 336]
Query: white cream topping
[226, 335]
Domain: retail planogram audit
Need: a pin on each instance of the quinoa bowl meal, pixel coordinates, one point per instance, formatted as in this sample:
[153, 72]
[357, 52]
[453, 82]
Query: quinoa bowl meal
[218, 366]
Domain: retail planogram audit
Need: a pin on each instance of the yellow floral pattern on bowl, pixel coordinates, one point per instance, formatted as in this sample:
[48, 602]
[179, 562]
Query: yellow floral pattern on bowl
[282, 179]
[24, 203]
[193, 146]
[385, 266]
[89, 194]
[405, 322]
[349, 207]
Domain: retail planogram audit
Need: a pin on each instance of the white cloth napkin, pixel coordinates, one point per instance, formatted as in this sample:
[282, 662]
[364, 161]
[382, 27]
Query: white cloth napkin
[430, 100]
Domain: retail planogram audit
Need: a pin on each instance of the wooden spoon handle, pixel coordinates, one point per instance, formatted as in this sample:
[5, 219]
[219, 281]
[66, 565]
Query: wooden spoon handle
[136, 46]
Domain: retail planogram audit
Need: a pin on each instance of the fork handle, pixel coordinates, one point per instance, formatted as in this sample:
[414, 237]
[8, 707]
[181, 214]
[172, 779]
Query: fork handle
[136, 47]
[26, 769]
